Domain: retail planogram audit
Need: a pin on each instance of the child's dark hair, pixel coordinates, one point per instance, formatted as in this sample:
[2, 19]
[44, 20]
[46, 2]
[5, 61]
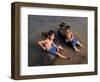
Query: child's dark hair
[51, 32]
[68, 27]
[46, 34]
[64, 26]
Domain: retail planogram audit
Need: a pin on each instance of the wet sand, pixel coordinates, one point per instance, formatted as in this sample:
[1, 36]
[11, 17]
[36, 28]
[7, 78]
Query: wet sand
[38, 24]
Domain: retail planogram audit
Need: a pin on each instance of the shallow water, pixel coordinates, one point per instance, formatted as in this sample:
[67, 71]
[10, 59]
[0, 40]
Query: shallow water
[38, 24]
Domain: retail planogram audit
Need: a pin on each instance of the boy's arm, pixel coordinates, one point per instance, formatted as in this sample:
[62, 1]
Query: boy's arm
[72, 36]
[61, 56]
[41, 44]
[54, 45]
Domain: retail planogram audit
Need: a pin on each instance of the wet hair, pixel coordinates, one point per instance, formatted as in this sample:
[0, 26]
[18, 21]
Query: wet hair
[51, 32]
[68, 27]
[45, 34]
[64, 26]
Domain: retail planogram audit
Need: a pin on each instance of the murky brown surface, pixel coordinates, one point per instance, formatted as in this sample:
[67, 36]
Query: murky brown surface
[38, 24]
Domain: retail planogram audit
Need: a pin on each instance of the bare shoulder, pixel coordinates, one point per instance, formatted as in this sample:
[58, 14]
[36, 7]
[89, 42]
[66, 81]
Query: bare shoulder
[42, 41]
[46, 40]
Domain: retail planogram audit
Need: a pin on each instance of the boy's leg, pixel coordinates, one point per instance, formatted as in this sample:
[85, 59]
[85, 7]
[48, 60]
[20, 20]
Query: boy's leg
[76, 49]
[74, 42]
[79, 44]
[61, 56]
[60, 47]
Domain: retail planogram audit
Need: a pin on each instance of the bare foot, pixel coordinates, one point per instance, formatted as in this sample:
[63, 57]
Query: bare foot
[68, 58]
[81, 45]
[77, 50]
[64, 57]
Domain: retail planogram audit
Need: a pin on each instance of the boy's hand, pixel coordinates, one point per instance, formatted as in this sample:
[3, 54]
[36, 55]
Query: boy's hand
[71, 38]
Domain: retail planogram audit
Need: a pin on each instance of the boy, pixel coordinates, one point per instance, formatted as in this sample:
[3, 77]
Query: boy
[48, 44]
[71, 38]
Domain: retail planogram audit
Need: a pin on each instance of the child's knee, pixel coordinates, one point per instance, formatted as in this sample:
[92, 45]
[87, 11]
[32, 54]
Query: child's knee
[60, 47]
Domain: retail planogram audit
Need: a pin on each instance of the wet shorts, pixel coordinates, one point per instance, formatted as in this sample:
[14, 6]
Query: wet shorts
[74, 42]
[53, 50]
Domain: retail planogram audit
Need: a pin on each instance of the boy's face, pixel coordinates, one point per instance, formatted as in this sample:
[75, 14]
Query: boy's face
[67, 31]
[52, 37]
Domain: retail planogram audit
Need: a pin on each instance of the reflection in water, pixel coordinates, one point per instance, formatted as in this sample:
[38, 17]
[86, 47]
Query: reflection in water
[38, 24]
